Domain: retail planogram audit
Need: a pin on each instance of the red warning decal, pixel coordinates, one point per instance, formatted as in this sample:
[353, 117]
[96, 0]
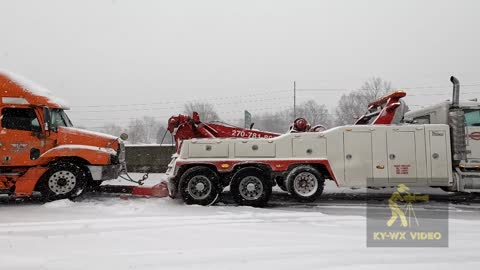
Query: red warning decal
[401, 169]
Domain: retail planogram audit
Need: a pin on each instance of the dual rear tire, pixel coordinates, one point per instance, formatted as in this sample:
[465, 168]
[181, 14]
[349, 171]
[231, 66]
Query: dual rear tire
[201, 185]
[251, 186]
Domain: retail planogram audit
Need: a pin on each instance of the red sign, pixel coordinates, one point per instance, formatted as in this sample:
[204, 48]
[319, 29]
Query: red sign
[401, 169]
[474, 135]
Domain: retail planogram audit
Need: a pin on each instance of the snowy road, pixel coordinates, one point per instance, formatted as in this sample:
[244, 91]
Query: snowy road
[106, 232]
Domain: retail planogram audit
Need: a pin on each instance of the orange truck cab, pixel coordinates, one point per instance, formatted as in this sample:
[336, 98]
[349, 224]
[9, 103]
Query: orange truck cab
[41, 153]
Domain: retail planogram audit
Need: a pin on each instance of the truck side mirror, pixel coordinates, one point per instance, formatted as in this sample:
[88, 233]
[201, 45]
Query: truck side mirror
[47, 118]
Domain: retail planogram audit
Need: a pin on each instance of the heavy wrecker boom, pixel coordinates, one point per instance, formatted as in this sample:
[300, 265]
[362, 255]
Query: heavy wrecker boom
[386, 110]
[184, 127]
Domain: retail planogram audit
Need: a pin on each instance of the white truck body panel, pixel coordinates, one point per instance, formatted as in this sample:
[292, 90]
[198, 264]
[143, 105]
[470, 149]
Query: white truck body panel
[359, 156]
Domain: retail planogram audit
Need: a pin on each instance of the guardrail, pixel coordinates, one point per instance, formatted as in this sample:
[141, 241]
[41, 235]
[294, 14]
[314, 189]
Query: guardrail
[148, 158]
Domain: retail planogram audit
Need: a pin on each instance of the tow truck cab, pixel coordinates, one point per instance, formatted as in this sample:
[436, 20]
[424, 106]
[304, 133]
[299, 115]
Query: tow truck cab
[41, 151]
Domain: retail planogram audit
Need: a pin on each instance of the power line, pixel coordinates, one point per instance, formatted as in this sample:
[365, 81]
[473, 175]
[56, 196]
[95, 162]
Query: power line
[323, 89]
[233, 103]
[184, 101]
[238, 99]
[264, 93]
[240, 112]
[180, 106]
[132, 126]
[439, 94]
[399, 88]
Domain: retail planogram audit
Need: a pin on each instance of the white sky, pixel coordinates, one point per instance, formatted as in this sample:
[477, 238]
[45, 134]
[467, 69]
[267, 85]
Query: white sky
[120, 52]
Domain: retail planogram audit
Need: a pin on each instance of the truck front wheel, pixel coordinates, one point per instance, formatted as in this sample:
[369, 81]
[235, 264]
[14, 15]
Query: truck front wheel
[63, 180]
[305, 183]
[199, 185]
[250, 186]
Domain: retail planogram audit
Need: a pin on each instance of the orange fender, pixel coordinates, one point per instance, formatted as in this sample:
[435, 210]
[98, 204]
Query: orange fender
[25, 184]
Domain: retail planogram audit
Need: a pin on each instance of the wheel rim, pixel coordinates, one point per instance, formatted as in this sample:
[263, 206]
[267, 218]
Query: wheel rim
[199, 187]
[251, 188]
[305, 184]
[62, 182]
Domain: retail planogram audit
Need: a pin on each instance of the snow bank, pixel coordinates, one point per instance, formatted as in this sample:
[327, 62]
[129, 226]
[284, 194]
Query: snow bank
[59, 204]
[106, 232]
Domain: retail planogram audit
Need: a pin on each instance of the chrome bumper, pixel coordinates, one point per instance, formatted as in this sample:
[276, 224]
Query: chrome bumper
[107, 172]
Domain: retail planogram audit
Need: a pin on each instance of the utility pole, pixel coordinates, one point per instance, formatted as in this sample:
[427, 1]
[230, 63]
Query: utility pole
[294, 100]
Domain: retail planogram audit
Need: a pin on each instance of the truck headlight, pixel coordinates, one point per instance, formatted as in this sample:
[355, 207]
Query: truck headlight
[121, 152]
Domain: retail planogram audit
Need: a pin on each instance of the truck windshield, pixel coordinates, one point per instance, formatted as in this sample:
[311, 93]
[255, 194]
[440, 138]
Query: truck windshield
[60, 118]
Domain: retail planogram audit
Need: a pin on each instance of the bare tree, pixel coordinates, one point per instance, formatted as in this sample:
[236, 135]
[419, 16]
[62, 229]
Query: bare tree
[374, 88]
[113, 129]
[151, 127]
[349, 108]
[163, 136]
[136, 131]
[273, 121]
[280, 121]
[314, 113]
[353, 105]
[205, 110]
[140, 130]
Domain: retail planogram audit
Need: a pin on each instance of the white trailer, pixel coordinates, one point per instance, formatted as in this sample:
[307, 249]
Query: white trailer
[432, 154]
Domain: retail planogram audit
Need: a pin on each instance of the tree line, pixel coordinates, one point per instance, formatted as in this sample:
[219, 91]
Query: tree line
[149, 130]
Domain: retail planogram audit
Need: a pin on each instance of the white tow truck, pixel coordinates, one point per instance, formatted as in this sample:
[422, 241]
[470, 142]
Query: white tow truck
[434, 147]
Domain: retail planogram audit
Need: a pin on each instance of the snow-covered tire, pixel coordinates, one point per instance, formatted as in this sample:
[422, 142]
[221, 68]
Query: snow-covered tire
[250, 186]
[199, 185]
[64, 180]
[305, 183]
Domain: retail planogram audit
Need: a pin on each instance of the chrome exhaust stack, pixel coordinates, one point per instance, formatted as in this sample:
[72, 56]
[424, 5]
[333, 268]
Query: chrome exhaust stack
[456, 91]
[457, 125]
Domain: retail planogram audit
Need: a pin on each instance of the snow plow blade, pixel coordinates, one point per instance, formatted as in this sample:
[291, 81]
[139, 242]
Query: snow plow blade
[159, 190]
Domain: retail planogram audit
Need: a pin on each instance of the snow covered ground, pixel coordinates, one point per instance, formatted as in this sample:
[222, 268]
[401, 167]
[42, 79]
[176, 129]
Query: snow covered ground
[107, 232]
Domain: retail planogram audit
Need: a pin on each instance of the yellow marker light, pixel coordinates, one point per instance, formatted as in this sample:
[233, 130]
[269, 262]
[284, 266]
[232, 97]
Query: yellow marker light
[461, 166]
[380, 167]
[279, 165]
[477, 166]
[225, 165]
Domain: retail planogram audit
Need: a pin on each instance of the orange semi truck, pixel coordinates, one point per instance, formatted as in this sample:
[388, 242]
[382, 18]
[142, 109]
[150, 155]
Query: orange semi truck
[41, 153]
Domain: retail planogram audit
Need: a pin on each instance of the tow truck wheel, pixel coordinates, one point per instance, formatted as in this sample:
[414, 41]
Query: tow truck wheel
[250, 186]
[63, 180]
[199, 185]
[305, 183]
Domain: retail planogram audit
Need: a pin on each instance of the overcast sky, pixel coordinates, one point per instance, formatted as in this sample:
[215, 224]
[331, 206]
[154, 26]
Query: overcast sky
[162, 53]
